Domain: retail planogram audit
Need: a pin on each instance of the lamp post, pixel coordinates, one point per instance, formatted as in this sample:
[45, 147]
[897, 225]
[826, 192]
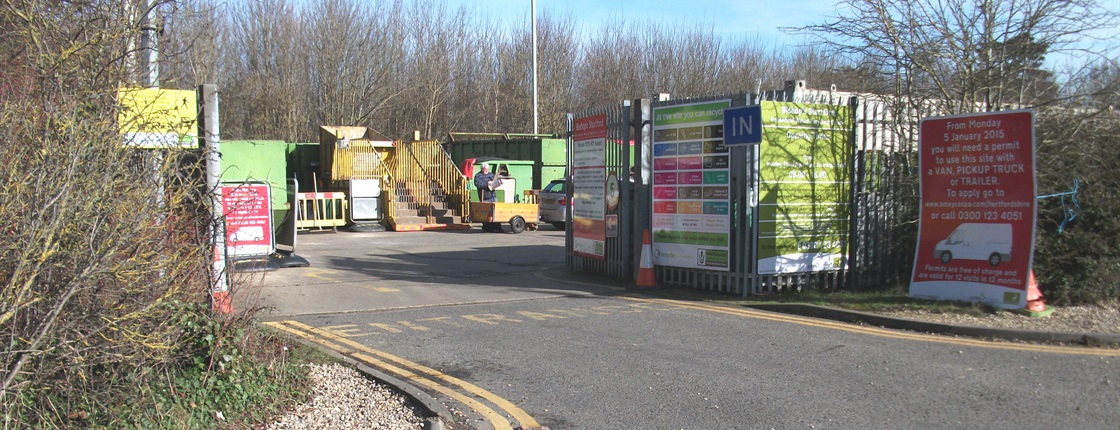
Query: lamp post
[534, 22]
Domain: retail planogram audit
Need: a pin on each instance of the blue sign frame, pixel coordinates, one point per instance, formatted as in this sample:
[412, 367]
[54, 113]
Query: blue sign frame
[742, 126]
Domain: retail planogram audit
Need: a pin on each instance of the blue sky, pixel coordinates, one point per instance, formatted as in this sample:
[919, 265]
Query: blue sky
[731, 18]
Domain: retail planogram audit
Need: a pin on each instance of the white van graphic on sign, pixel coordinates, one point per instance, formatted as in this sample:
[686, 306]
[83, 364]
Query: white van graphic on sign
[976, 241]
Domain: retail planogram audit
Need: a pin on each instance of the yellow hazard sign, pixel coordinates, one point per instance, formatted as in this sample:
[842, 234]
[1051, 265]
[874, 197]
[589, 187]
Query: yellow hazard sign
[158, 118]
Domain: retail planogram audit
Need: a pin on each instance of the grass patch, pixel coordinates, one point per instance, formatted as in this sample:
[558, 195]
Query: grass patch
[252, 388]
[223, 373]
[885, 300]
[237, 376]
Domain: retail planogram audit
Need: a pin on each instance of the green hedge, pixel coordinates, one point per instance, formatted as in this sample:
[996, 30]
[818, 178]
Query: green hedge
[1081, 264]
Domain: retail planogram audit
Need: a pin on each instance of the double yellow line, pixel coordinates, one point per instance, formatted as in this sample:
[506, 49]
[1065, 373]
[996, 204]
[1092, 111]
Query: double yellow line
[416, 373]
[875, 331]
[872, 331]
[481, 400]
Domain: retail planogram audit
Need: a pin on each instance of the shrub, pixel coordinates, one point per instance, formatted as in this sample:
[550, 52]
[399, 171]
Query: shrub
[1081, 264]
[99, 240]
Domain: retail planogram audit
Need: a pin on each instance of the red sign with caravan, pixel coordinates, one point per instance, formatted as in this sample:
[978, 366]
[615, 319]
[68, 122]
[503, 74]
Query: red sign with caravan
[977, 219]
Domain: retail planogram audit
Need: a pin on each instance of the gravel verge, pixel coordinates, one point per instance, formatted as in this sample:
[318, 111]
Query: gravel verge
[343, 398]
[1098, 319]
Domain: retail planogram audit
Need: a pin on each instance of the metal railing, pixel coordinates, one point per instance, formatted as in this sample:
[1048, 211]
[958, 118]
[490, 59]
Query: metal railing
[320, 210]
[425, 175]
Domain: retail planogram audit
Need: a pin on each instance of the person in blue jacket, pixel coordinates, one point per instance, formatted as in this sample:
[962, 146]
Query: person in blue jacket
[485, 181]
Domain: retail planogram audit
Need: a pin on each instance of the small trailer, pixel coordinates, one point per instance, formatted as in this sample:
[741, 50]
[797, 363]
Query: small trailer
[518, 215]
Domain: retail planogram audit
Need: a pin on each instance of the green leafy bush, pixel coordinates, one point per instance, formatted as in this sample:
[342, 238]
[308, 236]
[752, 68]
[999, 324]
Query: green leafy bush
[104, 266]
[227, 366]
[1081, 264]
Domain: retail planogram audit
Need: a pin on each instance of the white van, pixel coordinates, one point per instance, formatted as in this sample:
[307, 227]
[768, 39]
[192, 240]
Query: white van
[976, 241]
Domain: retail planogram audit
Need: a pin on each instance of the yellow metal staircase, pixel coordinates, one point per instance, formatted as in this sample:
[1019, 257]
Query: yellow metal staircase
[426, 190]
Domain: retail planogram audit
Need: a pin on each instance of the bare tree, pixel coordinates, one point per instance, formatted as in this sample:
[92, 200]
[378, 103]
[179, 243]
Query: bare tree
[266, 77]
[354, 48]
[962, 55]
[437, 42]
[750, 63]
[683, 60]
[476, 105]
[191, 43]
[1100, 83]
[93, 252]
[608, 72]
[557, 56]
[626, 61]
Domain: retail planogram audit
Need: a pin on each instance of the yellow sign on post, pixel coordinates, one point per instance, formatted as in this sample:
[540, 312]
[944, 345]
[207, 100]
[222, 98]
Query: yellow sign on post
[157, 118]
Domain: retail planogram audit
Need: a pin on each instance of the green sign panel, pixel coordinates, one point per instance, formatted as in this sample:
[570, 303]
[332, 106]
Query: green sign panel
[804, 173]
[693, 113]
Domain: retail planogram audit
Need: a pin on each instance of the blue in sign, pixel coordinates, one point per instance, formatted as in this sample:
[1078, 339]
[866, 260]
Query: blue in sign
[742, 125]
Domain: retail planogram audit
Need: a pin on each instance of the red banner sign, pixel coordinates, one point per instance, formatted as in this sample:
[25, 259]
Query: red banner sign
[977, 219]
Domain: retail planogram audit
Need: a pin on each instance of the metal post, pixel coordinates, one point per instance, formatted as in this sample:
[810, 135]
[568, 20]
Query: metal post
[220, 300]
[534, 66]
[855, 170]
[755, 280]
[643, 164]
[569, 259]
[626, 197]
[149, 43]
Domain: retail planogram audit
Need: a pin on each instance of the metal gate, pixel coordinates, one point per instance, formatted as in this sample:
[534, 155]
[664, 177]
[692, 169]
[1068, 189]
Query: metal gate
[880, 197]
[615, 258]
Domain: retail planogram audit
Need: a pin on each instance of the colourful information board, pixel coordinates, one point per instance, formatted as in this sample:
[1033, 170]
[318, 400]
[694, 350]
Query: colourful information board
[977, 220]
[691, 187]
[804, 173]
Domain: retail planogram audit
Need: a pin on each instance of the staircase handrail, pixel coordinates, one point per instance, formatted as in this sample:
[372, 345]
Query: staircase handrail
[430, 166]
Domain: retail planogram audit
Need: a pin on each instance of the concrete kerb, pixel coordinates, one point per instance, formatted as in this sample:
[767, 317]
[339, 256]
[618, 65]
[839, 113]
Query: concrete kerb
[436, 412]
[815, 311]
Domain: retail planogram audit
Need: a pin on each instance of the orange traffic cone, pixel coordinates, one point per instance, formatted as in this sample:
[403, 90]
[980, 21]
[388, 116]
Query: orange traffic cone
[646, 276]
[1035, 303]
[221, 302]
[1036, 306]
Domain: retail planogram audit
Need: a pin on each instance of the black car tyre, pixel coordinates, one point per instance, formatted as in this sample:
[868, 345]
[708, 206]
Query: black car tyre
[559, 225]
[946, 257]
[995, 259]
[517, 224]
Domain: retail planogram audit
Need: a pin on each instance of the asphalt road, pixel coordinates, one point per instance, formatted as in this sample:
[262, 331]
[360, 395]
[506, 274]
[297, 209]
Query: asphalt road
[493, 326]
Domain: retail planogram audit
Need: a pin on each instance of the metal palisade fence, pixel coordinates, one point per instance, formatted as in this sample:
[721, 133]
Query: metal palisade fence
[826, 200]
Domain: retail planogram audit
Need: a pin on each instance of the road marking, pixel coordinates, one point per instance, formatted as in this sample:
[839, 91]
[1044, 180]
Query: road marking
[318, 274]
[876, 331]
[415, 372]
[490, 319]
[323, 275]
[495, 419]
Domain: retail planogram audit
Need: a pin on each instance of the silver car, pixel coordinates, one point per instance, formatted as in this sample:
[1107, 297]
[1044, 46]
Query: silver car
[552, 203]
